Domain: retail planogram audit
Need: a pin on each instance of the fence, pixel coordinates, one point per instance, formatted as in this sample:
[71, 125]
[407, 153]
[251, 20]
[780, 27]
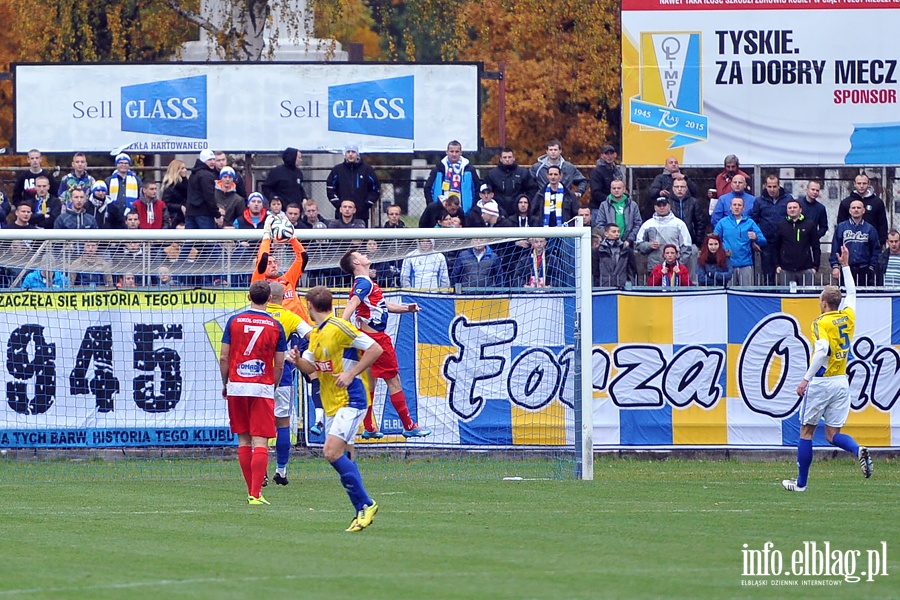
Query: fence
[404, 184]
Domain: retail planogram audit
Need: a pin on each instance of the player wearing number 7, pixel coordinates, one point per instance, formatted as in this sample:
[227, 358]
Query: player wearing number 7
[251, 362]
[825, 389]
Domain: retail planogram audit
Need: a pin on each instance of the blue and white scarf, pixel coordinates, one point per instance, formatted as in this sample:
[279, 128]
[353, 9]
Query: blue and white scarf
[553, 202]
[453, 174]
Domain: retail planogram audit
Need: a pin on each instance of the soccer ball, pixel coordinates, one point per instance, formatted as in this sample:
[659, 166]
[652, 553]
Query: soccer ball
[282, 230]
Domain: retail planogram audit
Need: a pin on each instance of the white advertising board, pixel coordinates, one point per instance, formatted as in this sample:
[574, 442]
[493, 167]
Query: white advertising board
[773, 81]
[184, 107]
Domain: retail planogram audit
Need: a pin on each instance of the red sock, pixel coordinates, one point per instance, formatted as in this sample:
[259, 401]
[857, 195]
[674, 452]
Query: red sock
[398, 399]
[244, 453]
[259, 464]
[369, 419]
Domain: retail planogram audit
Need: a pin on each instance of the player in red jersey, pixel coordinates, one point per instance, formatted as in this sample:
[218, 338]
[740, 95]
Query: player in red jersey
[251, 362]
[369, 311]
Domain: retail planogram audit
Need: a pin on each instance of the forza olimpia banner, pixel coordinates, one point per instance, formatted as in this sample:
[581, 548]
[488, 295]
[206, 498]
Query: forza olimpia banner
[696, 369]
[773, 81]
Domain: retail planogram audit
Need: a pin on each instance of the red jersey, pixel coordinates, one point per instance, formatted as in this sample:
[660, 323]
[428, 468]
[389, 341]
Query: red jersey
[289, 279]
[254, 337]
[372, 309]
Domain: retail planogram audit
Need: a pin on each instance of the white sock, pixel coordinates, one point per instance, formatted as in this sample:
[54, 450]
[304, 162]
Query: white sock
[281, 471]
[320, 415]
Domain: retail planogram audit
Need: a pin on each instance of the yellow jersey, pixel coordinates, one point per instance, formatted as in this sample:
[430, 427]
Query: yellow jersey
[836, 327]
[334, 348]
[290, 321]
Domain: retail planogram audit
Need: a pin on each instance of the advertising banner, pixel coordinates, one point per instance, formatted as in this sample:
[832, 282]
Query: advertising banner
[792, 82]
[263, 107]
[694, 369]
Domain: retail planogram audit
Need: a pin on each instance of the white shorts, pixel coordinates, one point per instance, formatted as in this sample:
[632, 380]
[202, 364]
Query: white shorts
[284, 401]
[345, 423]
[828, 398]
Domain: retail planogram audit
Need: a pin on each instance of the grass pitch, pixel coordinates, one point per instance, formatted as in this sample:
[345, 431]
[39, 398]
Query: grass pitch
[642, 529]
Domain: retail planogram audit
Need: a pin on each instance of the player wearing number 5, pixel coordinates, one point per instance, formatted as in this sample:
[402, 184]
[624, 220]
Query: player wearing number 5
[825, 388]
[251, 362]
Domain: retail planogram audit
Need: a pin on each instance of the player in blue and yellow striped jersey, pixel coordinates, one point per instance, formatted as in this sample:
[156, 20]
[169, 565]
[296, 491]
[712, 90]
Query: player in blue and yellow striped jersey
[334, 353]
[825, 388]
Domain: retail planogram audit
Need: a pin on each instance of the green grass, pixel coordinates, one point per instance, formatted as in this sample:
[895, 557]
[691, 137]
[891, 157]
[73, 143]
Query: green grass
[642, 529]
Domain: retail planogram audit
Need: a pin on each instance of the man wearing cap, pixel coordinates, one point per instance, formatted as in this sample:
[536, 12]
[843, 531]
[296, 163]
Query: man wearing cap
[603, 174]
[201, 211]
[254, 216]
[124, 185]
[491, 217]
[286, 180]
[239, 187]
[485, 194]
[77, 179]
[227, 197]
[353, 180]
[510, 181]
[660, 230]
[107, 214]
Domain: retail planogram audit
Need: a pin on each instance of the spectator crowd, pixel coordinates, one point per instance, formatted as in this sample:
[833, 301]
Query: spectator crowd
[742, 239]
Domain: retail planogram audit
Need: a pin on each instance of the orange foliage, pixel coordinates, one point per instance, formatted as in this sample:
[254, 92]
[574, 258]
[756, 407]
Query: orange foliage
[562, 71]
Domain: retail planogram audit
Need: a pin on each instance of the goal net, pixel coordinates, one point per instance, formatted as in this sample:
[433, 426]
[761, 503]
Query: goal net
[112, 343]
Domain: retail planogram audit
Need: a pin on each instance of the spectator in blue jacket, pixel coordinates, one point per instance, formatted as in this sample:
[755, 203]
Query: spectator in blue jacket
[813, 209]
[738, 234]
[454, 174]
[861, 240]
[723, 204]
[476, 267]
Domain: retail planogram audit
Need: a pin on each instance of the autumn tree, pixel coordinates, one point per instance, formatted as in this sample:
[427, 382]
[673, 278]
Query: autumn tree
[562, 71]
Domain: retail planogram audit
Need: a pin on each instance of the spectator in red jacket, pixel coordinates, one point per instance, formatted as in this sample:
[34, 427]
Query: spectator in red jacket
[149, 207]
[670, 273]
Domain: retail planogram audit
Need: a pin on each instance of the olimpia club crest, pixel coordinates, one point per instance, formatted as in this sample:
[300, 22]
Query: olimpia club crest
[670, 84]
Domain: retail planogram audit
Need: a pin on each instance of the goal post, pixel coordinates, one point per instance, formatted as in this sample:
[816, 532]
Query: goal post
[497, 368]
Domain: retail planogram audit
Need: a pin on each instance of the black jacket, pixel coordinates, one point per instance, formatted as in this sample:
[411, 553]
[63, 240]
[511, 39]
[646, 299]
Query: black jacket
[602, 176]
[797, 245]
[688, 210]
[201, 192]
[569, 207]
[286, 180]
[509, 182]
[433, 212]
[175, 196]
[355, 181]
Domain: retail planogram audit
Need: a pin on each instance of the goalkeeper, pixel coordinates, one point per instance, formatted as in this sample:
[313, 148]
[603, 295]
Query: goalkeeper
[267, 268]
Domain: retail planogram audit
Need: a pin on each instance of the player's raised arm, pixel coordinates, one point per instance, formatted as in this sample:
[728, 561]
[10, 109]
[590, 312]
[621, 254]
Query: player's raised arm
[393, 307]
[849, 282]
[295, 271]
